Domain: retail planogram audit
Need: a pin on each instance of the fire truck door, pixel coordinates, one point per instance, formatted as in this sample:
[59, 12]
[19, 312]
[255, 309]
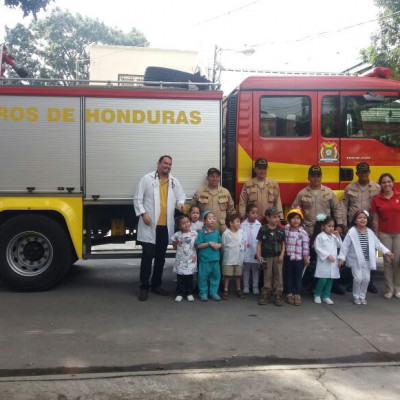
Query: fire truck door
[369, 121]
[285, 133]
[328, 149]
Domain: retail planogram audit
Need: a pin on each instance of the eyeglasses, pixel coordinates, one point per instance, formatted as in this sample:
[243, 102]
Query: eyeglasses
[212, 219]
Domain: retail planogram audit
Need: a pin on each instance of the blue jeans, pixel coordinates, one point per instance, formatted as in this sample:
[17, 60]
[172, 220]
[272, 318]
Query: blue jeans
[294, 272]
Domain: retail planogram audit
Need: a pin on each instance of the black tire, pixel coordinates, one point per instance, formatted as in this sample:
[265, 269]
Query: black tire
[35, 252]
[156, 74]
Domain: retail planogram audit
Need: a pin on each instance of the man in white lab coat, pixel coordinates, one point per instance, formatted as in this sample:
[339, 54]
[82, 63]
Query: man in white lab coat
[155, 199]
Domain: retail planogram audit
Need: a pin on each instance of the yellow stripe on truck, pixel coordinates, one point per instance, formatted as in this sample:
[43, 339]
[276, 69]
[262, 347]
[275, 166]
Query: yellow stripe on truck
[69, 207]
[298, 173]
[244, 165]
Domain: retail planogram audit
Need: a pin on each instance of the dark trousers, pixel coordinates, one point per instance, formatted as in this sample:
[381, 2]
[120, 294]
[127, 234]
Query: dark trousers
[156, 251]
[346, 277]
[294, 271]
[308, 281]
[184, 285]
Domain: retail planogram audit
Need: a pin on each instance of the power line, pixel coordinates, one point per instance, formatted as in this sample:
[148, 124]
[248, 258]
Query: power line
[197, 24]
[308, 37]
[227, 13]
[326, 33]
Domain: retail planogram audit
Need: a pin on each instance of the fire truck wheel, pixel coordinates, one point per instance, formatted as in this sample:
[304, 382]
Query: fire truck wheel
[35, 252]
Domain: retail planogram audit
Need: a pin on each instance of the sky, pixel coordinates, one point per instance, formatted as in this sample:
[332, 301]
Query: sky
[286, 35]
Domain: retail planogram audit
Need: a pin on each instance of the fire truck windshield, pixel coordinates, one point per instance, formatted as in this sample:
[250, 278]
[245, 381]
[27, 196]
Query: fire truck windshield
[377, 120]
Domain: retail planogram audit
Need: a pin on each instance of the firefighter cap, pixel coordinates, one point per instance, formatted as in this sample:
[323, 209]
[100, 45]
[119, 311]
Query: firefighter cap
[261, 163]
[213, 171]
[295, 211]
[362, 167]
[315, 170]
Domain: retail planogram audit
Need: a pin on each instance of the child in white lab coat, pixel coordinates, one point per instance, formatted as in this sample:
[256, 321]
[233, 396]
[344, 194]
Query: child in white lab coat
[359, 251]
[251, 225]
[326, 245]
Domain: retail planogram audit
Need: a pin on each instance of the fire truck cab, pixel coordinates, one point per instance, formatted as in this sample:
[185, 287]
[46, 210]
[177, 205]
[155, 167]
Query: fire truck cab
[297, 121]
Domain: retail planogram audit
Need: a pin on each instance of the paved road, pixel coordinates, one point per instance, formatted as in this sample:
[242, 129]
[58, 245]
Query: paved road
[93, 323]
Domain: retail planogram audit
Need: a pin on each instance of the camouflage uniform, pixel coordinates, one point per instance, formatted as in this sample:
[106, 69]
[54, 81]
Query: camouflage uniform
[263, 196]
[219, 201]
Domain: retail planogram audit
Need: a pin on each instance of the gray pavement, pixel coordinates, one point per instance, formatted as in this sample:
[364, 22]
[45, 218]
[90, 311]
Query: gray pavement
[93, 324]
[352, 381]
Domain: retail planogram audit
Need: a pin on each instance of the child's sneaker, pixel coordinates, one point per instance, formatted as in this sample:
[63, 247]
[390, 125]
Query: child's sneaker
[178, 298]
[357, 301]
[297, 300]
[203, 298]
[215, 297]
[240, 294]
[278, 299]
[264, 297]
[190, 297]
[327, 300]
[363, 302]
[290, 299]
[246, 290]
[255, 290]
[225, 295]
[317, 300]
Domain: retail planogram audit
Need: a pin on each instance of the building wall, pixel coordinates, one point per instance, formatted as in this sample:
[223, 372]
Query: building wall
[108, 62]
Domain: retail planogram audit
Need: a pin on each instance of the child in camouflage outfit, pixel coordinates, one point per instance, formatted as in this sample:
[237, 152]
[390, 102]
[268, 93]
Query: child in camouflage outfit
[270, 252]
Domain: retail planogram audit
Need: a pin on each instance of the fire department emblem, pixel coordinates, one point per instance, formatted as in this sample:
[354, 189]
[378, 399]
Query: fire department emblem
[329, 152]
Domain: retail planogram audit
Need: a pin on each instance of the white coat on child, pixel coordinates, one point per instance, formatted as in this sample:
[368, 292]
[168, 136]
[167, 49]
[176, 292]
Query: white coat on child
[233, 247]
[351, 251]
[326, 245]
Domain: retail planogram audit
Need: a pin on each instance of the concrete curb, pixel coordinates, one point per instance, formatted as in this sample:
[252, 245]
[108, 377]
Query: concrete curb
[214, 371]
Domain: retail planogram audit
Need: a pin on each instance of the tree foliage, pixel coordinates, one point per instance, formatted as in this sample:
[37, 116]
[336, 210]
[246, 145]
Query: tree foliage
[49, 48]
[28, 6]
[385, 47]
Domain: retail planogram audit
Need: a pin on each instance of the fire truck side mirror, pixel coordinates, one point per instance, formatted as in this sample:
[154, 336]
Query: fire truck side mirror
[346, 174]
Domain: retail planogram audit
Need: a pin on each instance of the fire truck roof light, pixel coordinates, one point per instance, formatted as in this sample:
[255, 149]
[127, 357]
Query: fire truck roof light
[380, 72]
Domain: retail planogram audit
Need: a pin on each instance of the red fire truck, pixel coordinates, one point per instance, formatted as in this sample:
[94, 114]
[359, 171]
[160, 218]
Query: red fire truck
[70, 157]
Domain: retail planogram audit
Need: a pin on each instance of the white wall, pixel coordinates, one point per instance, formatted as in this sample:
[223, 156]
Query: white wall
[106, 62]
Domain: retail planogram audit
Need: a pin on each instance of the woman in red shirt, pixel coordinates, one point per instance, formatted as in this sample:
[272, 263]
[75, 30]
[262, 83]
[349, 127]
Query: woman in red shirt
[386, 220]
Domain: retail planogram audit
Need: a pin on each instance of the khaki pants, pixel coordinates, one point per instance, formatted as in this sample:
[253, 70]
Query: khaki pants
[391, 268]
[273, 275]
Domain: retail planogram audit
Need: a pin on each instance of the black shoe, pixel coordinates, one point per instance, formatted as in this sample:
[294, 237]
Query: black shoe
[372, 288]
[338, 290]
[143, 295]
[349, 288]
[159, 290]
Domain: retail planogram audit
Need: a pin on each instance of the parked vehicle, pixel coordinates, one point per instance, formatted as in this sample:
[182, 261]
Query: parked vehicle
[70, 157]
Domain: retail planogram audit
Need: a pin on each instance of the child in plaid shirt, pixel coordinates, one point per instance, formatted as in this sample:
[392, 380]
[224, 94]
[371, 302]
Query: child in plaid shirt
[297, 255]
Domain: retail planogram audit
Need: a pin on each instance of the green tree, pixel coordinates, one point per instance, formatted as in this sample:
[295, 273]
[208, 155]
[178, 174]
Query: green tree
[385, 47]
[28, 6]
[50, 47]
